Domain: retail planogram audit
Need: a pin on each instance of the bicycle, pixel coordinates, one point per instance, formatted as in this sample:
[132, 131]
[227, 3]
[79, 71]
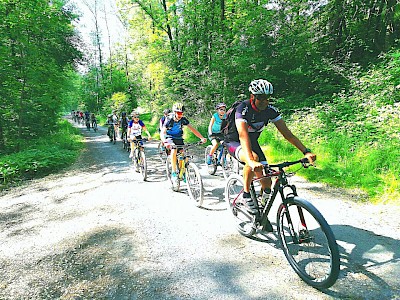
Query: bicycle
[125, 143]
[87, 123]
[111, 133]
[162, 151]
[306, 238]
[139, 158]
[222, 158]
[187, 171]
[94, 124]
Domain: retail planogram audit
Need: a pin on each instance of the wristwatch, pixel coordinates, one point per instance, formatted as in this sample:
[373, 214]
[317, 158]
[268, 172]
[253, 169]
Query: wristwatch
[307, 150]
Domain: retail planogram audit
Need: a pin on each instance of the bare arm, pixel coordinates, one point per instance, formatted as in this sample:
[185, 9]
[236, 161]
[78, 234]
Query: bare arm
[211, 125]
[291, 138]
[247, 151]
[148, 133]
[163, 133]
[196, 133]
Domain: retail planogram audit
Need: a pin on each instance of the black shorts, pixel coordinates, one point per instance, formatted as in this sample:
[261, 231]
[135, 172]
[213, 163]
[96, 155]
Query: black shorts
[234, 148]
[174, 142]
[216, 136]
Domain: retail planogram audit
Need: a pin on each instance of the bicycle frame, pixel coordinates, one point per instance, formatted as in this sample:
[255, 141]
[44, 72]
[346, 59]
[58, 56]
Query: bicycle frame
[281, 183]
[183, 158]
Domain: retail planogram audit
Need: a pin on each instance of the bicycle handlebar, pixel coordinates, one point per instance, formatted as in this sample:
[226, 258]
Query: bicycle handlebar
[186, 146]
[304, 161]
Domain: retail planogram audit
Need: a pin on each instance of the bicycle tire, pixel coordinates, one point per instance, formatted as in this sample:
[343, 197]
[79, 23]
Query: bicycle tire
[95, 126]
[229, 164]
[243, 220]
[161, 153]
[313, 253]
[168, 168]
[211, 169]
[135, 159]
[143, 164]
[195, 184]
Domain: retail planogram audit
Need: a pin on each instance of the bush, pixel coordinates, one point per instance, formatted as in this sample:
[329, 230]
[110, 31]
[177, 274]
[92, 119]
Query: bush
[42, 157]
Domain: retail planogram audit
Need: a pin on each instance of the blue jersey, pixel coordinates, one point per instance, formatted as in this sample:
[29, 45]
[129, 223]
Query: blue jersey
[216, 127]
[175, 128]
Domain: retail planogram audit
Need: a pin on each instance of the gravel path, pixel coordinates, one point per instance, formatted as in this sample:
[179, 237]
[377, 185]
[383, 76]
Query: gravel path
[97, 231]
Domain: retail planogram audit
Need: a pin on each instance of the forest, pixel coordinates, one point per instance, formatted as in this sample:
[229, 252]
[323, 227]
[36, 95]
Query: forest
[334, 64]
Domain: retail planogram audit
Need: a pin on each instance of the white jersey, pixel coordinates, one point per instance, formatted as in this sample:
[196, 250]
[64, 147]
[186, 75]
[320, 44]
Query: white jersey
[136, 128]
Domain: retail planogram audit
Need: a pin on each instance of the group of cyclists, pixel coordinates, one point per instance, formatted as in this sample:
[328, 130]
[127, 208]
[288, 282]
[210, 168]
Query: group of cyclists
[240, 137]
[87, 118]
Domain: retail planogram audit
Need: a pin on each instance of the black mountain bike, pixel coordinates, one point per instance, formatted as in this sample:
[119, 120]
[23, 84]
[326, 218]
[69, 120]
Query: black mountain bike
[94, 124]
[139, 158]
[222, 158]
[111, 133]
[307, 240]
[125, 143]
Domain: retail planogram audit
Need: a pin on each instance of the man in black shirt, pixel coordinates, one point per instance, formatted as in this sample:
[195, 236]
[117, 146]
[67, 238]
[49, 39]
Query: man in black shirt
[251, 117]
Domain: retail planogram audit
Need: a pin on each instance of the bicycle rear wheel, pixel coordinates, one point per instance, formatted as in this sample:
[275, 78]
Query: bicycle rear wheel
[233, 196]
[195, 184]
[212, 168]
[308, 243]
[143, 164]
[229, 165]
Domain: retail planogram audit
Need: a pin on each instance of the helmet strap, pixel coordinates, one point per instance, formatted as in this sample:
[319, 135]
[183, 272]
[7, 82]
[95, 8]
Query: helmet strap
[253, 103]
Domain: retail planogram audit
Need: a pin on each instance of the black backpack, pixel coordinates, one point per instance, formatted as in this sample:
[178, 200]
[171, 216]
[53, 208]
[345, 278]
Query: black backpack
[226, 123]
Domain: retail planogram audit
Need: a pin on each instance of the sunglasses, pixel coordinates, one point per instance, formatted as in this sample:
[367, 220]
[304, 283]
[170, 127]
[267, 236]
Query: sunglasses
[179, 113]
[263, 97]
[222, 109]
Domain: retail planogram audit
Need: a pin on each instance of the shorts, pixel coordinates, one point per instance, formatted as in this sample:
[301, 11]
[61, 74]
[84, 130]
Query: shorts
[174, 142]
[234, 148]
[138, 137]
[216, 136]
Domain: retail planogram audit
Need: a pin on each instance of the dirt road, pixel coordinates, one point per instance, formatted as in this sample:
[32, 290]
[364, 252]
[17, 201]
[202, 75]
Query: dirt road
[97, 231]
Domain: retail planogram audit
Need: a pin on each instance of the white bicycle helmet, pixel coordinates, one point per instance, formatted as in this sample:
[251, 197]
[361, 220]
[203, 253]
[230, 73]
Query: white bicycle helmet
[261, 86]
[219, 105]
[178, 107]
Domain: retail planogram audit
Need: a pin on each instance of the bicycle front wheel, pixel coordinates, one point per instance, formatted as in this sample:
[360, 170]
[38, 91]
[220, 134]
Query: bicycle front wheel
[143, 164]
[308, 243]
[233, 196]
[195, 184]
[161, 152]
[211, 168]
[229, 165]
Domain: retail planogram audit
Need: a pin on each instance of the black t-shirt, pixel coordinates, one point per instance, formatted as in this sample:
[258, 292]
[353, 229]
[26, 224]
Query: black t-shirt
[256, 120]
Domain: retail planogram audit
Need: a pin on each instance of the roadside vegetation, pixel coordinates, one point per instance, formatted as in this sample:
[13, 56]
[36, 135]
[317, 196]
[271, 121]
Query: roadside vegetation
[42, 156]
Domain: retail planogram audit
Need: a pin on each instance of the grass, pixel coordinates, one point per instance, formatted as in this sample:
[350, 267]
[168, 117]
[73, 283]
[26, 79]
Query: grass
[42, 157]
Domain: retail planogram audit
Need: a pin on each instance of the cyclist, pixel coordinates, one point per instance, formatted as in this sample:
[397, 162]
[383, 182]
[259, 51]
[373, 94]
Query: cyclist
[135, 128]
[251, 116]
[87, 119]
[116, 122]
[214, 129]
[109, 123]
[93, 119]
[163, 118]
[172, 134]
[123, 123]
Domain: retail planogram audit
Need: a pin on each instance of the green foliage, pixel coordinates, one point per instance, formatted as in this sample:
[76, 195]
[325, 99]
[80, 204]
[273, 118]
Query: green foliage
[356, 136]
[37, 51]
[42, 156]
